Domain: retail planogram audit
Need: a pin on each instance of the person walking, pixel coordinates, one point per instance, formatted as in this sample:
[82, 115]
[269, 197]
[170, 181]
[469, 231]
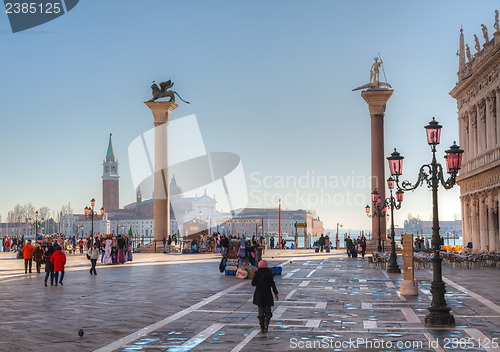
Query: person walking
[258, 252]
[363, 246]
[321, 243]
[80, 244]
[28, 250]
[224, 243]
[262, 297]
[169, 244]
[59, 260]
[49, 267]
[164, 244]
[93, 254]
[38, 257]
[271, 242]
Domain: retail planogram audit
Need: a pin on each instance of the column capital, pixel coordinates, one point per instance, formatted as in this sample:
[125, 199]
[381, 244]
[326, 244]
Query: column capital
[161, 110]
[377, 99]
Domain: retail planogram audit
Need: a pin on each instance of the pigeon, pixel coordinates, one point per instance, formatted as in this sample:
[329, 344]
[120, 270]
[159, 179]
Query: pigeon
[80, 333]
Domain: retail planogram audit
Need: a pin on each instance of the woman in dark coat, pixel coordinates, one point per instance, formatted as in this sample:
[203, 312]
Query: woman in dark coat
[49, 267]
[262, 297]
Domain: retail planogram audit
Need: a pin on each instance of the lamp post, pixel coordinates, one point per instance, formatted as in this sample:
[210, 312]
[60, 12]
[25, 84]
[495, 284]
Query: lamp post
[89, 212]
[36, 223]
[439, 313]
[379, 210]
[337, 236]
[393, 204]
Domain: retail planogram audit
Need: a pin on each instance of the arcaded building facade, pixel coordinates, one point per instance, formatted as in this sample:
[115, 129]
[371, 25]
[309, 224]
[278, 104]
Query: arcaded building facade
[478, 100]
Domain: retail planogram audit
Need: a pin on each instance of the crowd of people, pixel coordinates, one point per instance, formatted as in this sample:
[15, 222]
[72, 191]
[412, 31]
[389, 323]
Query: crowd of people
[51, 255]
[51, 252]
[353, 247]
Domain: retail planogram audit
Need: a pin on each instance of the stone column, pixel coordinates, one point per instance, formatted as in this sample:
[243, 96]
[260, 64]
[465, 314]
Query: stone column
[497, 209]
[476, 243]
[377, 99]
[481, 130]
[490, 121]
[472, 132]
[466, 235]
[465, 144]
[461, 132]
[483, 223]
[497, 115]
[491, 222]
[161, 114]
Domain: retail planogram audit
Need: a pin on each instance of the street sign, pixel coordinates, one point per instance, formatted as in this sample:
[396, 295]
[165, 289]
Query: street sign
[301, 224]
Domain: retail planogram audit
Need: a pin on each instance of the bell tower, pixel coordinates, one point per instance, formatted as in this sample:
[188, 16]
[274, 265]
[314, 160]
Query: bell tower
[110, 180]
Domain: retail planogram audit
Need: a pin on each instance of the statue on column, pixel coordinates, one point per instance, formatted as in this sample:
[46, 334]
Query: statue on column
[375, 77]
[467, 52]
[485, 33]
[477, 46]
[164, 91]
[375, 70]
[496, 21]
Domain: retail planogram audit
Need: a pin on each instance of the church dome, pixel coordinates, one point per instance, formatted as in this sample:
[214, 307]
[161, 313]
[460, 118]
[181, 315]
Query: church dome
[176, 191]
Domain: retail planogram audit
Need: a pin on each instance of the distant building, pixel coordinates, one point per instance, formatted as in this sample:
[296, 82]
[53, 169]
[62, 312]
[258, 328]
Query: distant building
[255, 221]
[110, 180]
[478, 100]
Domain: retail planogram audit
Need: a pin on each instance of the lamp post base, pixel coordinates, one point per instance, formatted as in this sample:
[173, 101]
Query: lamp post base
[439, 316]
[393, 268]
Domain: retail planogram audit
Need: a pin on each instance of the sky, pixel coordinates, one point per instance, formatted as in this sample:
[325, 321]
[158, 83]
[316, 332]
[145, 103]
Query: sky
[270, 81]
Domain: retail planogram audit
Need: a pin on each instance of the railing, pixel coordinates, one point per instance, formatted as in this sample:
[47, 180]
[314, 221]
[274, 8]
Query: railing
[480, 161]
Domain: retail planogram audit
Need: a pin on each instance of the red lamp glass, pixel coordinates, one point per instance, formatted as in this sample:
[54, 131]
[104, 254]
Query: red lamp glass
[92, 202]
[375, 196]
[396, 163]
[390, 182]
[102, 210]
[399, 195]
[367, 208]
[433, 132]
[384, 210]
[29, 220]
[454, 158]
[43, 220]
[36, 213]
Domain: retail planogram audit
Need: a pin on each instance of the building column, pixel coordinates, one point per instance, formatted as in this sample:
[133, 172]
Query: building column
[466, 235]
[496, 202]
[497, 115]
[483, 223]
[491, 222]
[481, 130]
[462, 130]
[476, 243]
[490, 120]
[472, 132]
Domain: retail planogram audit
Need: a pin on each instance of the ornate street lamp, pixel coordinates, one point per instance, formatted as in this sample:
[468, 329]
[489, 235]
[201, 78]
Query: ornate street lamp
[379, 210]
[439, 313]
[393, 203]
[36, 223]
[89, 212]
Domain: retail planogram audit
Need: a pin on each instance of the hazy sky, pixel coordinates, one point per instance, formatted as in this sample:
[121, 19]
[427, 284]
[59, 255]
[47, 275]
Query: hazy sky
[268, 80]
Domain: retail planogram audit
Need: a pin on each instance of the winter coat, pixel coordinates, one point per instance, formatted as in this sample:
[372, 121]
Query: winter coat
[264, 282]
[48, 264]
[93, 253]
[59, 260]
[28, 250]
[38, 255]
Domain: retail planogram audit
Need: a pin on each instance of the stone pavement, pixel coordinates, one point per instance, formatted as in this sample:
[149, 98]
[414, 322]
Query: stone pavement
[182, 303]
